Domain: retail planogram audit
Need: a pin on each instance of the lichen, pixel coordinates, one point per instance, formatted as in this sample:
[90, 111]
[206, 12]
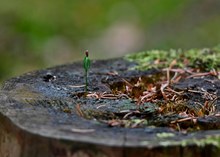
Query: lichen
[24, 92]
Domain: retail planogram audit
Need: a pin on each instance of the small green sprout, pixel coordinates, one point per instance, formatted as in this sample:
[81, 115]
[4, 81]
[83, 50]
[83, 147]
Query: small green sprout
[86, 65]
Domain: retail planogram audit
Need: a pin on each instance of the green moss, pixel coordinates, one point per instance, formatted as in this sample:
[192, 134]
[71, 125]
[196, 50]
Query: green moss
[204, 59]
[168, 139]
[165, 135]
[209, 140]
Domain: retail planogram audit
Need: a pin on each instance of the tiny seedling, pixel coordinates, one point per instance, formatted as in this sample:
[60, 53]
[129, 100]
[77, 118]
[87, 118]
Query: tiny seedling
[86, 65]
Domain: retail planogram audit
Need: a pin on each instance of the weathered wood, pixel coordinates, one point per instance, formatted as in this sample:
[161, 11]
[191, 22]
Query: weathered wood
[38, 117]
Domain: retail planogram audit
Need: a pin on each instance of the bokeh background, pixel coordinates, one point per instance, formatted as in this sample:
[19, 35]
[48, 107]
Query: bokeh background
[42, 33]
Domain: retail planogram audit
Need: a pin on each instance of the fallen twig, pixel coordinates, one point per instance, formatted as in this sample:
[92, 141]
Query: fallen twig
[162, 87]
[100, 106]
[196, 91]
[76, 86]
[173, 91]
[78, 110]
[183, 120]
[130, 113]
[217, 115]
[168, 71]
[127, 83]
[200, 74]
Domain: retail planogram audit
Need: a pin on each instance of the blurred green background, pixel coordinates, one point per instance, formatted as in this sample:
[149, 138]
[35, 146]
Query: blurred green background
[41, 33]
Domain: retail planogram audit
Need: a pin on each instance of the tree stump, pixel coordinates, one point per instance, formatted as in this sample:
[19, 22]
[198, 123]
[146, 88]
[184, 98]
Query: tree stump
[46, 113]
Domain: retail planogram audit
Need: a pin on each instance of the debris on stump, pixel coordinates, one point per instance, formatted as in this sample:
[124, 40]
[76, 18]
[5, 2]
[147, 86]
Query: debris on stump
[153, 103]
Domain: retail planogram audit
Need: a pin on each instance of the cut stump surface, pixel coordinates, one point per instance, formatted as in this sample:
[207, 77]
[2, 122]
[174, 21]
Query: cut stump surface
[45, 113]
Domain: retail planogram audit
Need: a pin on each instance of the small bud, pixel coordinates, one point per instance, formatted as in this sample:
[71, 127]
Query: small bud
[87, 53]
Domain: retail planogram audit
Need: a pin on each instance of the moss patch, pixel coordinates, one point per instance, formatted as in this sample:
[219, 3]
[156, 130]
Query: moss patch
[204, 59]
